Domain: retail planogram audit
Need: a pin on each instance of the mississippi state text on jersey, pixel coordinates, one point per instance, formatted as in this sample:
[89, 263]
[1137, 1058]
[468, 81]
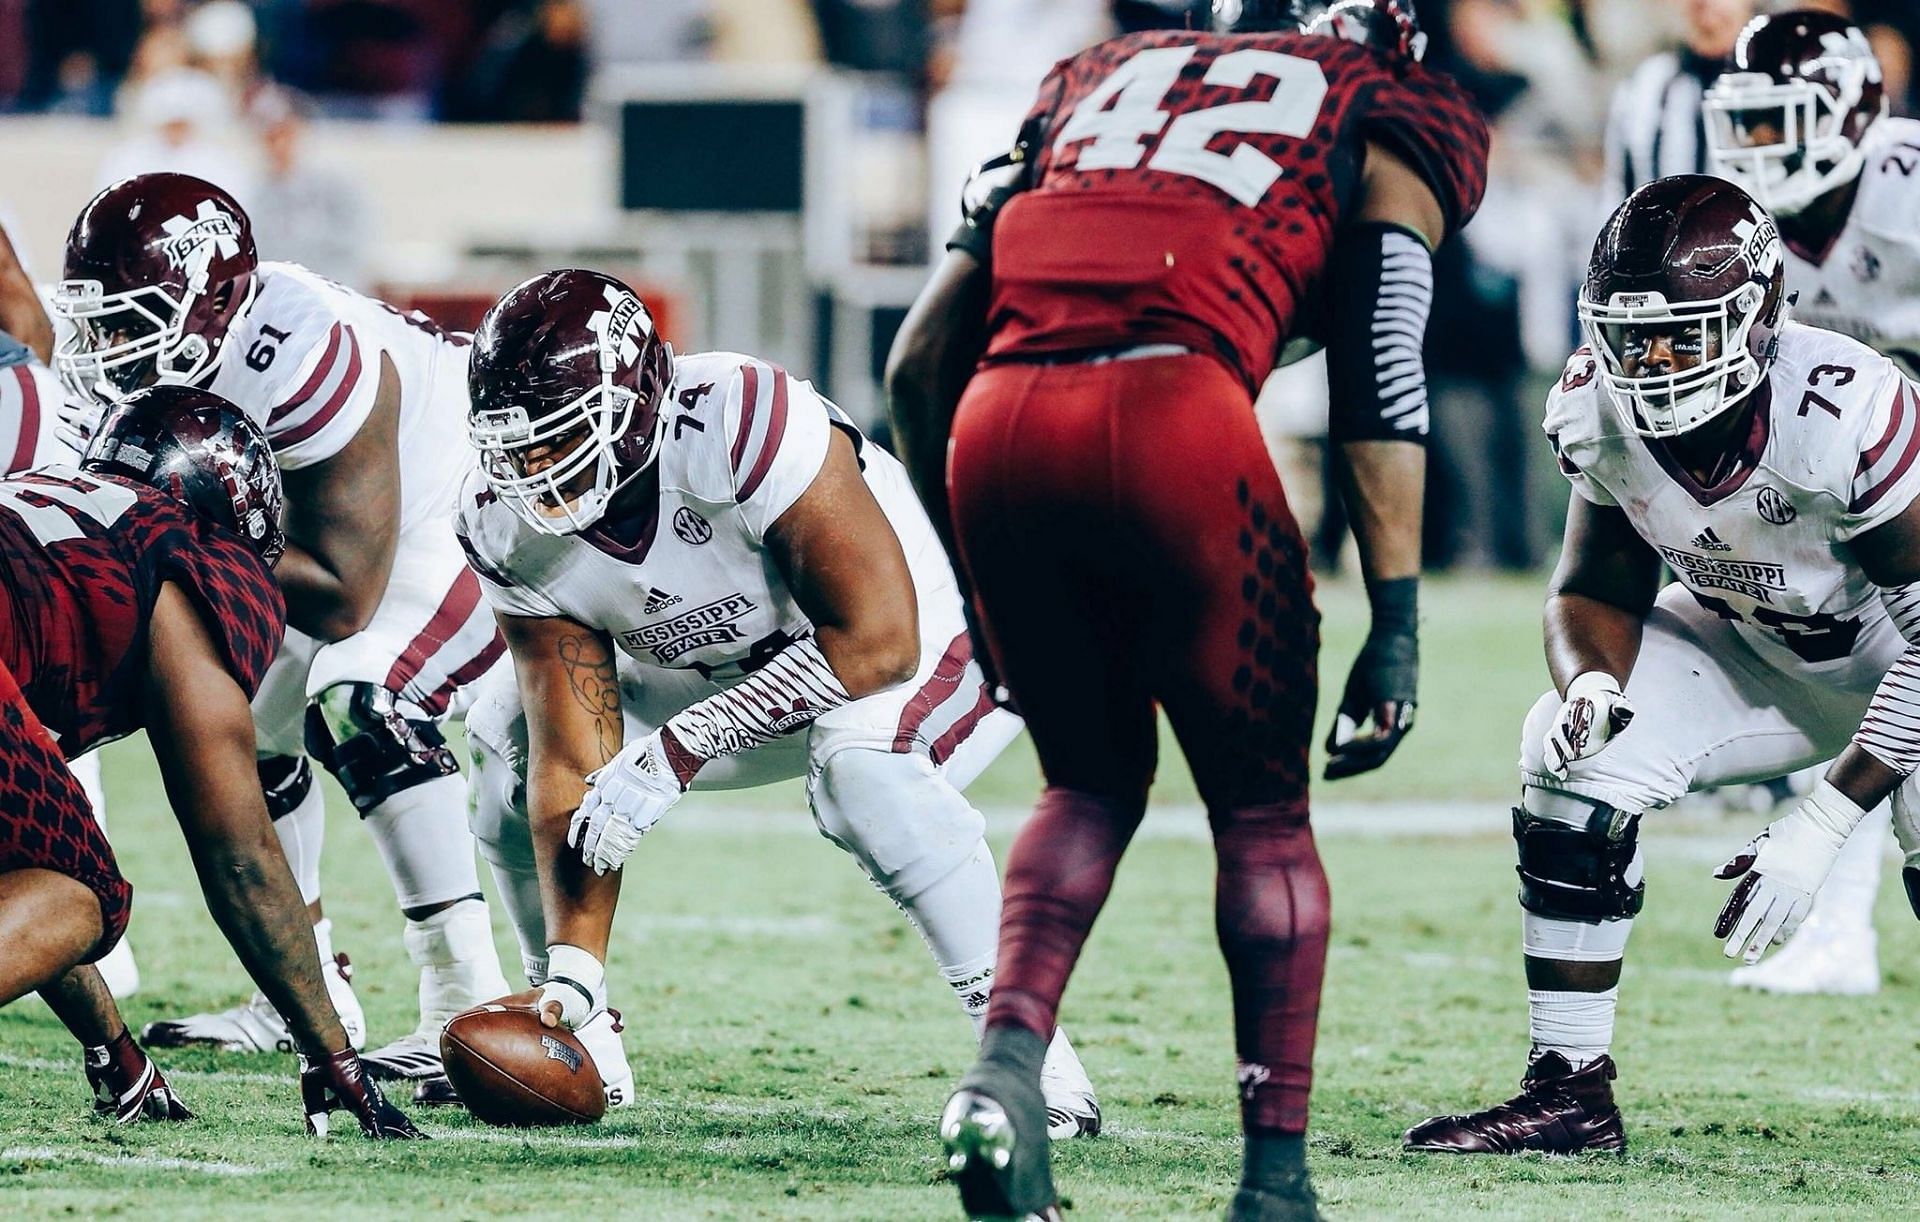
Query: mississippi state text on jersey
[1185, 188]
[1866, 283]
[82, 561]
[1832, 454]
[743, 441]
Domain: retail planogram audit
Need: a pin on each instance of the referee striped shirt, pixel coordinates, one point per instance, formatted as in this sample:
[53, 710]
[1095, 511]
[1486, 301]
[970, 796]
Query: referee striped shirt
[1657, 126]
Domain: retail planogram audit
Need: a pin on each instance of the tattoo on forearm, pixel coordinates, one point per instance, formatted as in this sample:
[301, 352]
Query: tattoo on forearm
[595, 687]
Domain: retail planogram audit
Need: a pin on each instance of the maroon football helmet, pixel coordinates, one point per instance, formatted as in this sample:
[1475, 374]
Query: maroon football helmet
[1787, 119]
[159, 268]
[199, 449]
[1684, 300]
[567, 380]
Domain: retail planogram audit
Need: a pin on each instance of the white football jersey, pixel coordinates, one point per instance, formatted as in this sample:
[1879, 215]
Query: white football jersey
[743, 441]
[305, 365]
[30, 398]
[1867, 283]
[1838, 453]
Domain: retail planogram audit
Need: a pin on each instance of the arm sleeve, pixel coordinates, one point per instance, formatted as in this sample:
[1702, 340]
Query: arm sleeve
[1886, 477]
[1890, 731]
[324, 398]
[777, 433]
[1381, 279]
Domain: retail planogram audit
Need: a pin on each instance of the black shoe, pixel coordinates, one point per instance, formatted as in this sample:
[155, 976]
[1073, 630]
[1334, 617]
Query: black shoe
[997, 1152]
[1558, 1111]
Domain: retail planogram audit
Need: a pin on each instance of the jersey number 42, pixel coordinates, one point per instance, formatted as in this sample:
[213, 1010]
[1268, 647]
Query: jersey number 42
[1126, 108]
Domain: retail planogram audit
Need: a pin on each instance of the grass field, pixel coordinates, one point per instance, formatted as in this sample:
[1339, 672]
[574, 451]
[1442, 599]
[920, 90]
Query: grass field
[792, 1043]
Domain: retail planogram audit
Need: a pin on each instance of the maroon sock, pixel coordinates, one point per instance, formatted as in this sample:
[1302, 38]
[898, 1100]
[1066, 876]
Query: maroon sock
[1270, 911]
[1058, 876]
[115, 1067]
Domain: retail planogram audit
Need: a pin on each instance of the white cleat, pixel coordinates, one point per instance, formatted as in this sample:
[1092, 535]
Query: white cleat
[600, 1036]
[254, 1025]
[1818, 960]
[1072, 1110]
[459, 969]
[119, 971]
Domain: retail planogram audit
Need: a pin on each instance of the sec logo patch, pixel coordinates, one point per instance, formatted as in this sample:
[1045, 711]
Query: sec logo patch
[691, 527]
[1775, 507]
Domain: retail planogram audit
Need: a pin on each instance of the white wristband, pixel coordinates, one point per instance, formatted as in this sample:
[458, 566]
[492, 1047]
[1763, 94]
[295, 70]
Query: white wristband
[572, 965]
[1832, 812]
[1590, 683]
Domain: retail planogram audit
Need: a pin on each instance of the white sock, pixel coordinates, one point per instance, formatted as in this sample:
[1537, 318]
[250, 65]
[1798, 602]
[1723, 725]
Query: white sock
[323, 937]
[424, 839]
[302, 831]
[86, 770]
[1578, 1026]
[959, 919]
[1846, 899]
[519, 893]
[459, 966]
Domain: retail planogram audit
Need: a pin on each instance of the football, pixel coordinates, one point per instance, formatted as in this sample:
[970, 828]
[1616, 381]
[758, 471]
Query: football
[510, 1070]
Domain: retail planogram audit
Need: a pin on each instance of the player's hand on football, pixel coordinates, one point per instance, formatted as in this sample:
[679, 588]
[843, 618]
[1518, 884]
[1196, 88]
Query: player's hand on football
[1781, 870]
[1593, 712]
[1376, 710]
[340, 1082]
[624, 800]
[575, 989]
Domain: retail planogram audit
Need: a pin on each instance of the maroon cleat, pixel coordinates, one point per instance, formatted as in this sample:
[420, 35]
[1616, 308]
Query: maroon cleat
[129, 1087]
[1558, 1111]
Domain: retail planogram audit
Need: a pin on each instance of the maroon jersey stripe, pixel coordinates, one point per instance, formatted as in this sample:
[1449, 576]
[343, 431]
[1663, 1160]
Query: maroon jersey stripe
[462, 597]
[938, 687]
[464, 674]
[1895, 419]
[311, 386]
[749, 404]
[332, 406]
[29, 419]
[1872, 496]
[960, 731]
[776, 428]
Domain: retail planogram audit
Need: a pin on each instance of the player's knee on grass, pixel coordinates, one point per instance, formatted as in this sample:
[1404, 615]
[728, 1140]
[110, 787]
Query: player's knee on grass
[1582, 875]
[362, 734]
[896, 814]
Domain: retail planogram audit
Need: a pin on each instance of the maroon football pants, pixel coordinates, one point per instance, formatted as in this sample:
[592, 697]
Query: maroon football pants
[1130, 546]
[46, 821]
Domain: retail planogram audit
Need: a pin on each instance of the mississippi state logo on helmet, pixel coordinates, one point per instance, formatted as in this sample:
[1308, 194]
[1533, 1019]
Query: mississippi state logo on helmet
[1787, 119]
[1389, 25]
[159, 268]
[1684, 300]
[567, 379]
[199, 449]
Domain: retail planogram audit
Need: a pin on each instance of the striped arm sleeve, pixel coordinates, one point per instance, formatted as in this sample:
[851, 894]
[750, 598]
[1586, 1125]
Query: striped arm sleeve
[794, 688]
[1382, 278]
[1890, 731]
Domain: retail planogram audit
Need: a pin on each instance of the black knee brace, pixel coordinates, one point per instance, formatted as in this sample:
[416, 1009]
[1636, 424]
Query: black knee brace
[1578, 873]
[285, 780]
[358, 735]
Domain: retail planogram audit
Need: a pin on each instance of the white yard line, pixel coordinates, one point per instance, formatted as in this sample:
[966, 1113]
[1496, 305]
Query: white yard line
[137, 1162]
[288, 1079]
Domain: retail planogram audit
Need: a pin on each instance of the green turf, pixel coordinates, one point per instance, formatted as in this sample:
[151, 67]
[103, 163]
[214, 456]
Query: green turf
[792, 1044]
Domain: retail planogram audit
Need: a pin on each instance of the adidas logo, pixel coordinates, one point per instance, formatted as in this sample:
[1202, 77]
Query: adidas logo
[1823, 298]
[658, 600]
[1707, 541]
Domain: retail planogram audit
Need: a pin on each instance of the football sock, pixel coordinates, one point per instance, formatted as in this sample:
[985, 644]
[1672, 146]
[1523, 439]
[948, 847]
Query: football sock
[1058, 876]
[1271, 911]
[86, 770]
[1275, 1161]
[959, 918]
[423, 837]
[302, 831]
[1578, 1026]
[458, 965]
[519, 894]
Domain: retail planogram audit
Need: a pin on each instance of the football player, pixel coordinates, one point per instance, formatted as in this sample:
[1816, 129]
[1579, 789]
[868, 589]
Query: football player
[707, 577]
[1800, 121]
[139, 595]
[1772, 466]
[1183, 206]
[163, 285]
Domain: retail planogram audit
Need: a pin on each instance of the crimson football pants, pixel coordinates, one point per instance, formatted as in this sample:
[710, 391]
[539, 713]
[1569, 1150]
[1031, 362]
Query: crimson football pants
[1130, 546]
[46, 821]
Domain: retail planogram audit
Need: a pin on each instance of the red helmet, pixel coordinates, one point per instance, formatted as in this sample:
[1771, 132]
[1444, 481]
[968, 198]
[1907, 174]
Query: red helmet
[1697, 263]
[567, 380]
[1787, 118]
[201, 450]
[159, 269]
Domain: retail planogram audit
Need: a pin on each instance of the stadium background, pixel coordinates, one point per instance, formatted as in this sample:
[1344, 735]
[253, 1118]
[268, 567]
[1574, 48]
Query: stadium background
[773, 174]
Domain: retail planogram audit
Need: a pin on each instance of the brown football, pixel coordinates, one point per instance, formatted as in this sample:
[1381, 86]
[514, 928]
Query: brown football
[510, 1070]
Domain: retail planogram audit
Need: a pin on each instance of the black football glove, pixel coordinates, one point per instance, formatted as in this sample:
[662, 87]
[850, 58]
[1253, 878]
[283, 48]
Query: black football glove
[341, 1081]
[1381, 685]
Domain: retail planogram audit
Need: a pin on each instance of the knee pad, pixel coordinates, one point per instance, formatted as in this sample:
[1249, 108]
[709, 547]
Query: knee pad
[894, 812]
[285, 780]
[1577, 870]
[359, 734]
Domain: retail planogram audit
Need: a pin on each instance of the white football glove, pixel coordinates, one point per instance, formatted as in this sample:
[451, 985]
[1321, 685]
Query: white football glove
[1781, 870]
[576, 983]
[626, 798]
[1592, 713]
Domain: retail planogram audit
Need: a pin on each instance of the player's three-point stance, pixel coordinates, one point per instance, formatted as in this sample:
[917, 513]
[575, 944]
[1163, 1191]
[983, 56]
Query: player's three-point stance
[1184, 205]
[138, 594]
[1773, 467]
[1800, 121]
[707, 577]
[358, 400]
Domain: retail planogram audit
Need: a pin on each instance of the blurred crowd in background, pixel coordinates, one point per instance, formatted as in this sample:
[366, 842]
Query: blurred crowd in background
[1558, 78]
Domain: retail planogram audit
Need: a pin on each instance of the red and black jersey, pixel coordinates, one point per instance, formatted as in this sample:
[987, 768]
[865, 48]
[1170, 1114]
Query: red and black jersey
[82, 561]
[1185, 188]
